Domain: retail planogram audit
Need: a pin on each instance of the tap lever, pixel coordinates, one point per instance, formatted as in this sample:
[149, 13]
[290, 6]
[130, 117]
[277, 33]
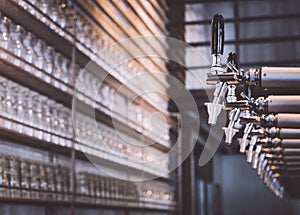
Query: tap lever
[217, 41]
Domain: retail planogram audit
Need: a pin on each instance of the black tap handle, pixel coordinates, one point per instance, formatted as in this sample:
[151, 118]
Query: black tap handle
[217, 35]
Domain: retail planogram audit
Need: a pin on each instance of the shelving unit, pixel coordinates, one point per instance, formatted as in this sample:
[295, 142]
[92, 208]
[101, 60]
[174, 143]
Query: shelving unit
[69, 151]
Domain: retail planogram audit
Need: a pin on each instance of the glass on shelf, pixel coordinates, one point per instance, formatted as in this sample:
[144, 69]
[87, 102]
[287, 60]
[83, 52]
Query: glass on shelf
[8, 104]
[15, 183]
[80, 23]
[66, 71]
[51, 177]
[17, 34]
[66, 183]
[5, 24]
[49, 59]
[38, 115]
[34, 180]
[88, 32]
[29, 111]
[58, 59]
[46, 118]
[97, 43]
[4, 176]
[18, 108]
[29, 41]
[59, 182]
[62, 123]
[25, 178]
[3, 89]
[43, 181]
[39, 49]
[43, 5]
[62, 6]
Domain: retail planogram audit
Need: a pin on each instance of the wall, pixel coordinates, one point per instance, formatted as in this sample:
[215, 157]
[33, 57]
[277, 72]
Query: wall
[242, 192]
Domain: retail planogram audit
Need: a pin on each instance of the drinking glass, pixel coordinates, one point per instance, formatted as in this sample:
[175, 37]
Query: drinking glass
[37, 116]
[5, 24]
[43, 181]
[58, 59]
[44, 6]
[59, 187]
[88, 32]
[39, 49]
[51, 181]
[4, 175]
[17, 34]
[66, 70]
[25, 178]
[49, 59]
[29, 110]
[18, 108]
[14, 164]
[62, 7]
[46, 119]
[29, 41]
[34, 180]
[8, 105]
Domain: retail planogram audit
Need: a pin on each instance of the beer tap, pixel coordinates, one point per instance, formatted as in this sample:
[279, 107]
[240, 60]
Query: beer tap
[234, 114]
[217, 48]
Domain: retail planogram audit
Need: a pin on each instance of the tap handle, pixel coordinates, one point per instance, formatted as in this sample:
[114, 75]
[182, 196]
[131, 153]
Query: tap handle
[217, 35]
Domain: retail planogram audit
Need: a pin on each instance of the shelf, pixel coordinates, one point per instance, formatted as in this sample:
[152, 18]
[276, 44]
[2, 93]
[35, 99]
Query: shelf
[116, 32]
[25, 74]
[102, 203]
[65, 199]
[58, 144]
[62, 41]
[64, 147]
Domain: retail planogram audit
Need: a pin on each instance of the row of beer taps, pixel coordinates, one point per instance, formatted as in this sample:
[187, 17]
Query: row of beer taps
[262, 109]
